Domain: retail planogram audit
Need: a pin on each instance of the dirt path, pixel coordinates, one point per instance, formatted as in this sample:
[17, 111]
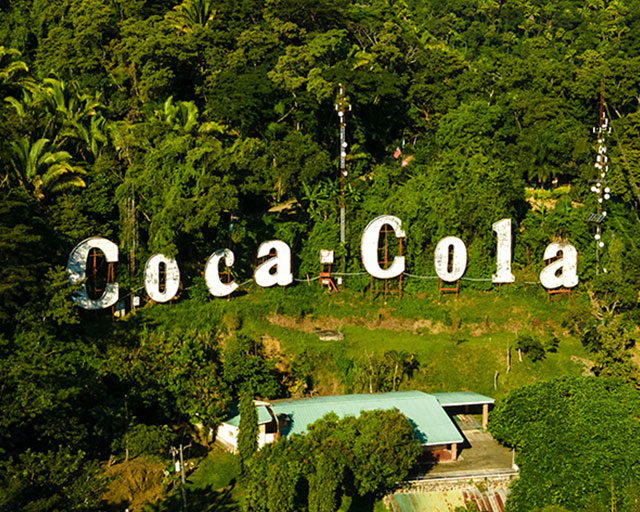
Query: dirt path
[384, 321]
[417, 326]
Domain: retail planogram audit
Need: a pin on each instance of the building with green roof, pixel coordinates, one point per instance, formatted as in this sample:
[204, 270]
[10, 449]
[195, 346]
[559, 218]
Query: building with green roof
[434, 428]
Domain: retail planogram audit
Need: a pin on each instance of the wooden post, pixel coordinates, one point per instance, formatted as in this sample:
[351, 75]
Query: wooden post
[485, 416]
[454, 451]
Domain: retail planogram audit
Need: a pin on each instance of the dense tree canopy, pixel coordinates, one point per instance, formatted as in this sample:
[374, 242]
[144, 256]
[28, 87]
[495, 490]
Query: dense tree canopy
[575, 443]
[336, 457]
[203, 111]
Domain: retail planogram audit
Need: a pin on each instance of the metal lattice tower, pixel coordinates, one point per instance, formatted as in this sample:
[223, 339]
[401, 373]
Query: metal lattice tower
[342, 107]
[131, 235]
[600, 187]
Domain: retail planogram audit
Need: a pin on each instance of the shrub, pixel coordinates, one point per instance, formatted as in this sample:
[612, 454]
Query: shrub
[530, 346]
[141, 439]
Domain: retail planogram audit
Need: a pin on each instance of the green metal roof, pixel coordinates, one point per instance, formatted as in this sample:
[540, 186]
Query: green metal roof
[431, 423]
[263, 417]
[462, 398]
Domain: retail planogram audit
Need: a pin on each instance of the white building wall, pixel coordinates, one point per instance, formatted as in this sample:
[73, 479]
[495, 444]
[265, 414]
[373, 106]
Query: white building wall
[228, 436]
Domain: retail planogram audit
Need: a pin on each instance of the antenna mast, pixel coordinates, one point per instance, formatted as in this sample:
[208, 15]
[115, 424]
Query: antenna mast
[342, 108]
[131, 237]
[600, 187]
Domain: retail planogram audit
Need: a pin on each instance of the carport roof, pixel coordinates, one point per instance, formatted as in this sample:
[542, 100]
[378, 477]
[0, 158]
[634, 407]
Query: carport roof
[462, 398]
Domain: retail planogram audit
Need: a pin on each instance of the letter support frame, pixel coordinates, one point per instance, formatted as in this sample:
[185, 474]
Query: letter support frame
[562, 290]
[445, 287]
[391, 286]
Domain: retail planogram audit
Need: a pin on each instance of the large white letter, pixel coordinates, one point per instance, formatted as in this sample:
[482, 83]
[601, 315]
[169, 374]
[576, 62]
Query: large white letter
[562, 272]
[77, 268]
[152, 278]
[503, 257]
[441, 258]
[212, 276]
[369, 248]
[276, 270]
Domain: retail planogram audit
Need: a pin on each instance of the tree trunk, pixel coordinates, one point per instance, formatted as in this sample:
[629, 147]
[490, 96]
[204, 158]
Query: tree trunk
[395, 374]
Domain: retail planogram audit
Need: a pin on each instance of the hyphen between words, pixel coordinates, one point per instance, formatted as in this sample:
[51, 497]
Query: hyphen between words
[450, 261]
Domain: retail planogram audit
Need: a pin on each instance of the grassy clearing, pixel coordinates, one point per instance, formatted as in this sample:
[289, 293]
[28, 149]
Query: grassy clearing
[211, 487]
[445, 364]
[217, 470]
[460, 343]
[134, 484]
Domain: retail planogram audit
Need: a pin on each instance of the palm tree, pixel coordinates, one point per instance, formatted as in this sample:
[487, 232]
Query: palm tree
[66, 104]
[9, 67]
[184, 116]
[92, 136]
[191, 14]
[68, 114]
[42, 171]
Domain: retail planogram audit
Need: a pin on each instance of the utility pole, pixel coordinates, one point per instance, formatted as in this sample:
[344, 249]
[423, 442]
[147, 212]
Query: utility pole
[183, 477]
[342, 108]
[184, 480]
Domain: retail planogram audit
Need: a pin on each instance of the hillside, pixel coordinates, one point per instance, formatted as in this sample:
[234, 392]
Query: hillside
[457, 344]
[151, 148]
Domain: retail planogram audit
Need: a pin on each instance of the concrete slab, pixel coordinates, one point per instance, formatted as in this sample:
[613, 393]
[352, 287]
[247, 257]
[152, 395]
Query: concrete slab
[480, 453]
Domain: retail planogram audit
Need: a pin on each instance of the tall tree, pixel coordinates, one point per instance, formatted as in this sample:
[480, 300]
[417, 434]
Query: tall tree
[248, 430]
[575, 442]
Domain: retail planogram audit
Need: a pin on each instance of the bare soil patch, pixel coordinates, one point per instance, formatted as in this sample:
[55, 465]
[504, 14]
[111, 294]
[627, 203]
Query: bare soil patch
[134, 485]
[271, 346]
[383, 321]
[587, 366]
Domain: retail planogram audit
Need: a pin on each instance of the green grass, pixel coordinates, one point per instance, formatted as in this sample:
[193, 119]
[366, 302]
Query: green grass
[466, 344]
[444, 365]
[211, 487]
[217, 470]
[460, 343]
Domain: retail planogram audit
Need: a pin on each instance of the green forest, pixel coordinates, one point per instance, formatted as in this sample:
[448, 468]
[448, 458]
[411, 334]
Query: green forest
[184, 128]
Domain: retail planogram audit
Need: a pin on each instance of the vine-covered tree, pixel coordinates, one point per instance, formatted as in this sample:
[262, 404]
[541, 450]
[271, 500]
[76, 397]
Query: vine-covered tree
[248, 428]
